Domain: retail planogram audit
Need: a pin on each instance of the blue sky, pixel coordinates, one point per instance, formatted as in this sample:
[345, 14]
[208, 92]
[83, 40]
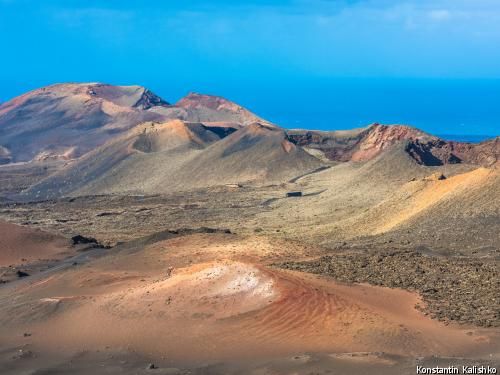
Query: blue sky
[257, 52]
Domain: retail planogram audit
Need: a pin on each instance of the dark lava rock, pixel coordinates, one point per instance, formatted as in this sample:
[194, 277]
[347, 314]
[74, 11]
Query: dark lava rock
[102, 214]
[463, 290]
[22, 273]
[78, 239]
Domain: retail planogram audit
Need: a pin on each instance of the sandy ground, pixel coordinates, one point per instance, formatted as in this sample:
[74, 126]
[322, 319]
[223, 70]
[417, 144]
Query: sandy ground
[189, 299]
[213, 303]
[20, 245]
[208, 300]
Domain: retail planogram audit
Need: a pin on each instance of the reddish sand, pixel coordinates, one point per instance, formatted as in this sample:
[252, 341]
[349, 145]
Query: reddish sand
[209, 297]
[24, 245]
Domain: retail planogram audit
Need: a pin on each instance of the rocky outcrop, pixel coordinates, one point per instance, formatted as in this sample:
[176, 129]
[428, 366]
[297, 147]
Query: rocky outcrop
[486, 153]
[439, 152]
[337, 146]
[425, 149]
[357, 145]
[149, 100]
[422, 153]
[381, 137]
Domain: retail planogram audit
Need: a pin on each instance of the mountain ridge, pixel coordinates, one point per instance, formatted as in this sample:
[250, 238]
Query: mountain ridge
[365, 143]
[65, 121]
[123, 139]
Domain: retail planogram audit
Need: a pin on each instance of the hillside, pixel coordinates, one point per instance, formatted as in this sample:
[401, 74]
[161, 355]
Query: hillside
[100, 139]
[393, 196]
[176, 155]
[209, 108]
[20, 245]
[65, 121]
[365, 144]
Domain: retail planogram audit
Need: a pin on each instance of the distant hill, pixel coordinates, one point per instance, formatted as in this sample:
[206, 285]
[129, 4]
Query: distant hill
[65, 121]
[366, 143]
[209, 108]
[125, 139]
[177, 155]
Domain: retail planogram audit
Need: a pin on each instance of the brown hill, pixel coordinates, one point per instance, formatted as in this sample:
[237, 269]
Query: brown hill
[65, 121]
[465, 194]
[357, 144]
[365, 144]
[68, 120]
[176, 155]
[209, 108]
[146, 142]
[256, 153]
[386, 193]
[119, 139]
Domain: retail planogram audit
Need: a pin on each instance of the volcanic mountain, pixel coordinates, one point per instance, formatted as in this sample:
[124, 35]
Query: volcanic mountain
[125, 139]
[65, 121]
[366, 143]
[187, 248]
[177, 155]
[208, 108]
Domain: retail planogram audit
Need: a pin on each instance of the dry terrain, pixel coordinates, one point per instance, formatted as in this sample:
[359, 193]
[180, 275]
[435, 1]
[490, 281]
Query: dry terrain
[137, 236]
